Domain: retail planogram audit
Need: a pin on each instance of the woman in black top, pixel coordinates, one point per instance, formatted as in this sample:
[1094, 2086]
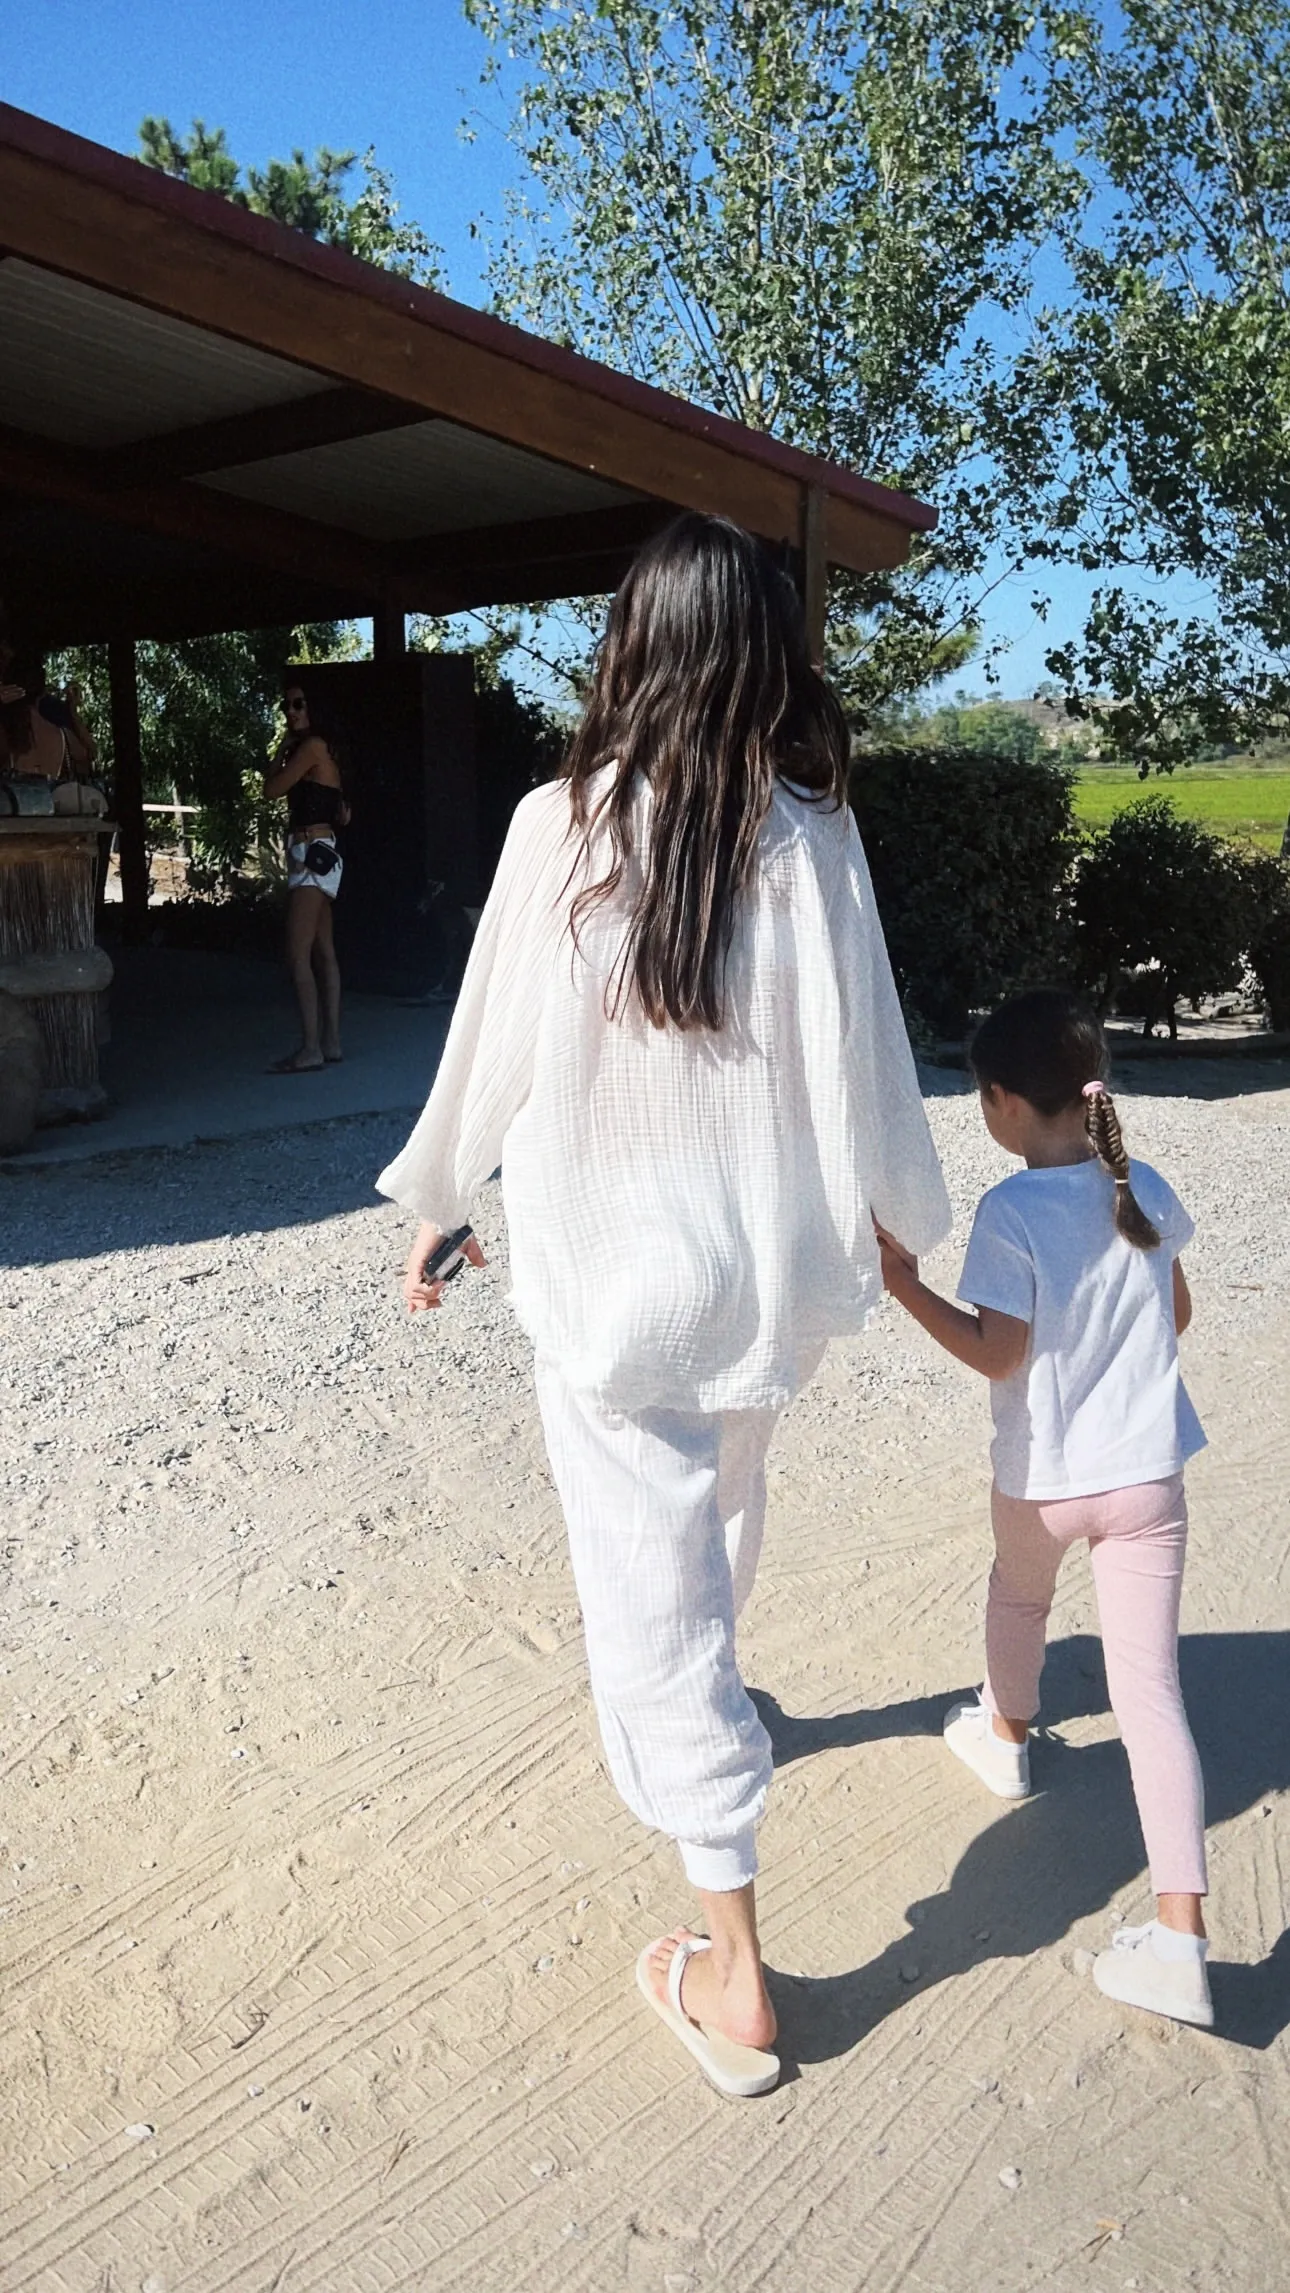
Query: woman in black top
[306, 772]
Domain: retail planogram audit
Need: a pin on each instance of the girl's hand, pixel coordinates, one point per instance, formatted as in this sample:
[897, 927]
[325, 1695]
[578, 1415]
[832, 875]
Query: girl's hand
[419, 1296]
[893, 1252]
[899, 1273]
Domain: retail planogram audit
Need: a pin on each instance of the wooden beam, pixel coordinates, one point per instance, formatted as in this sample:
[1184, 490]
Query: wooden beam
[533, 561]
[293, 545]
[178, 204]
[551, 541]
[862, 542]
[67, 605]
[325, 418]
[92, 230]
[520, 584]
[127, 787]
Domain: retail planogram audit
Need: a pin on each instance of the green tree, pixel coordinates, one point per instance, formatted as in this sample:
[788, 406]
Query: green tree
[815, 216]
[986, 728]
[308, 195]
[1152, 411]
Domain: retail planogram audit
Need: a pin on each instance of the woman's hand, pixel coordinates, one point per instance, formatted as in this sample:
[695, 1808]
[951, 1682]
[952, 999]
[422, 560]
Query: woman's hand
[420, 1296]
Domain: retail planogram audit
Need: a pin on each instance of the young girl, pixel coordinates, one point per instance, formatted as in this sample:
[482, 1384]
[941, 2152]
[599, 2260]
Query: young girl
[1074, 1302]
[678, 1034]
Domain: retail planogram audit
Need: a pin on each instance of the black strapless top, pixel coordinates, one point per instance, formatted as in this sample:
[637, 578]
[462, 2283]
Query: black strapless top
[312, 800]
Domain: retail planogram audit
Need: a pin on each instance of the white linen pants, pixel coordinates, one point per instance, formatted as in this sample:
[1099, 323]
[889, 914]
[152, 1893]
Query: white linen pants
[665, 1511]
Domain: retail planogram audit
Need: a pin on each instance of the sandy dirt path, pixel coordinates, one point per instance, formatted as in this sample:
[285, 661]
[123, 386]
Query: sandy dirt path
[318, 1913]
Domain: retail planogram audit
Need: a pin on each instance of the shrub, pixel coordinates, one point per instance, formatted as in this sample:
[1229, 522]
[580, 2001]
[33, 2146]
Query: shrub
[970, 856]
[1269, 949]
[1166, 899]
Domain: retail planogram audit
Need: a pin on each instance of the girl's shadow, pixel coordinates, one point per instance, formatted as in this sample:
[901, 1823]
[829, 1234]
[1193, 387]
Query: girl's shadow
[1064, 1854]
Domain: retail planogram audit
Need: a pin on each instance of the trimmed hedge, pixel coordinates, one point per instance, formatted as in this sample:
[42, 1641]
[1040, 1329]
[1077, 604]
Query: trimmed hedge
[971, 856]
[1182, 909]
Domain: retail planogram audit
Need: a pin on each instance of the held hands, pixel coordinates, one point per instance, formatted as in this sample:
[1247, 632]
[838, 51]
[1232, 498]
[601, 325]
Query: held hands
[420, 1296]
[981, 1339]
[899, 1265]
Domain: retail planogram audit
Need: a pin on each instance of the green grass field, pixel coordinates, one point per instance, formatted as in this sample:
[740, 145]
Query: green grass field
[1234, 800]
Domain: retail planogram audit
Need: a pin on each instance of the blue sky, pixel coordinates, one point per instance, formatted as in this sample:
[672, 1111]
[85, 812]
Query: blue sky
[398, 74]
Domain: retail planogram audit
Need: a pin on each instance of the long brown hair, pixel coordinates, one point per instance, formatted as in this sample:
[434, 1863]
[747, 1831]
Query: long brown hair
[1049, 1048]
[321, 725]
[704, 684]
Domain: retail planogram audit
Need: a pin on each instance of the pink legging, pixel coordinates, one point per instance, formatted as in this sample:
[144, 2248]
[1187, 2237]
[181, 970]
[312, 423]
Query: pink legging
[1137, 1543]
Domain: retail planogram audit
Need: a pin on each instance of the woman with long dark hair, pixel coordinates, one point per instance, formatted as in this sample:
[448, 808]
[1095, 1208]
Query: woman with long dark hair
[679, 1035]
[306, 770]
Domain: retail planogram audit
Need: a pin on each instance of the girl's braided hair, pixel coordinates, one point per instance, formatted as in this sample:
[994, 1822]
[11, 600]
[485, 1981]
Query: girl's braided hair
[1049, 1048]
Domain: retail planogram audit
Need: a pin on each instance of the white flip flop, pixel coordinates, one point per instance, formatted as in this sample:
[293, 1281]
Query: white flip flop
[738, 2072]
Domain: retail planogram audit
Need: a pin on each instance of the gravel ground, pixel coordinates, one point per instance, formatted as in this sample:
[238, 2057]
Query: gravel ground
[253, 1285]
[300, 1767]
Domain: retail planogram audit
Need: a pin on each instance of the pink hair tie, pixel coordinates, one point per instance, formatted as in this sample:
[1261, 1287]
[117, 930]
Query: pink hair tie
[1093, 1090]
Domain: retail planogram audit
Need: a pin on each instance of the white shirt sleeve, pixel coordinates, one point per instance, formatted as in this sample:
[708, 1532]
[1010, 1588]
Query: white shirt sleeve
[486, 1071]
[895, 1148]
[998, 1270]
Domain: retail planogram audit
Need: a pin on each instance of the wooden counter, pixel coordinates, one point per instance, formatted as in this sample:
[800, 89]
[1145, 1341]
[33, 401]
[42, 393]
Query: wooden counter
[50, 966]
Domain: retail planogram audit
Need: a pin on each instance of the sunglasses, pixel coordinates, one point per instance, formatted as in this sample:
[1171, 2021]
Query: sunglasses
[295, 705]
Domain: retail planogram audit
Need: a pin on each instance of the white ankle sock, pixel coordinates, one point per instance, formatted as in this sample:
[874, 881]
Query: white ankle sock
[1170, 1944]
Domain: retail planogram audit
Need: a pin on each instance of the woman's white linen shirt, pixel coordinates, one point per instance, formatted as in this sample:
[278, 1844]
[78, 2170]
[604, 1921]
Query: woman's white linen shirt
[689, 1211]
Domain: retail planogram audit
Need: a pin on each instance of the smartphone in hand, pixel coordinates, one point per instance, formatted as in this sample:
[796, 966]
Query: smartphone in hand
[448, 1257]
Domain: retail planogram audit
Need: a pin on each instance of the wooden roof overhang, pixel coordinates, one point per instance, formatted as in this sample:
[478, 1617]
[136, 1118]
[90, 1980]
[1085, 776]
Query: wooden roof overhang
[208, 421]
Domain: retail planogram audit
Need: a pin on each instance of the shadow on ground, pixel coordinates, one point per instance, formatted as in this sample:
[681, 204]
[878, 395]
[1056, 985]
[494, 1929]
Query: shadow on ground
[1064, 1854]
[206, 1192]
[194, 1037]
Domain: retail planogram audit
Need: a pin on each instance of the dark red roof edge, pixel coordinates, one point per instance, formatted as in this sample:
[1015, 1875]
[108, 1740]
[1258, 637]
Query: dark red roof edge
[94, 162]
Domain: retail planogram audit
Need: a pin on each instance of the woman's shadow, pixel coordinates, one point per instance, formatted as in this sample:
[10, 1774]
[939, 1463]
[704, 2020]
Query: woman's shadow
[1065, 1853]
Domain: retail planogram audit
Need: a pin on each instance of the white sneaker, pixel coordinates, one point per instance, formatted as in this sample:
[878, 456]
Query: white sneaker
[1003, 1767]
[1133, 1972]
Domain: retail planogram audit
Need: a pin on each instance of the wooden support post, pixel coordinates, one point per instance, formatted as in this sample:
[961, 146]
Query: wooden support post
[389, 631]
[127, 786]
[815, 568]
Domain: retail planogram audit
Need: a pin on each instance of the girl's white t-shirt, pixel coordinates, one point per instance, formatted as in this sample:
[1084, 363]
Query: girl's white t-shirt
[1098, 1402]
